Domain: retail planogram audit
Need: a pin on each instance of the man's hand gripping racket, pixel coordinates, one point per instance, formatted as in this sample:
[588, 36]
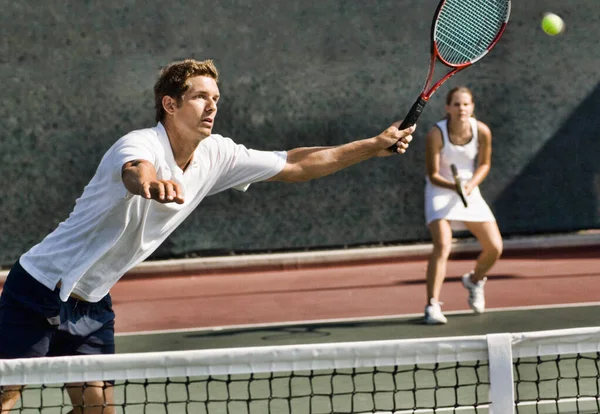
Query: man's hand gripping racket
[462, 32]
[458, 185]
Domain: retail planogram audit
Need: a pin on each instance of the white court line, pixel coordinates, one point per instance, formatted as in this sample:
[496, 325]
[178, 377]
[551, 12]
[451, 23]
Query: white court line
[348, 320]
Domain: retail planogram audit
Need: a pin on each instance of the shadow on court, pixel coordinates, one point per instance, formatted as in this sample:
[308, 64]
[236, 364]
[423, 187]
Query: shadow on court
[459, 324]
[560, 181]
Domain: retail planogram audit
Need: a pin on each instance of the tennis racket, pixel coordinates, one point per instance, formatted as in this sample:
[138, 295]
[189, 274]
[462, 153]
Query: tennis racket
[458, 185]
[462, 32]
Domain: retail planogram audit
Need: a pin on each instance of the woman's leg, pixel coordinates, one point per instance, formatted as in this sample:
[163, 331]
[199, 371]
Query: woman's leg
[491, 242]
[488, 235]
[441, 235]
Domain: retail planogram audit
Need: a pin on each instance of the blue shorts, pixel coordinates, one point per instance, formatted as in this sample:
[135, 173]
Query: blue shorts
[34, 322]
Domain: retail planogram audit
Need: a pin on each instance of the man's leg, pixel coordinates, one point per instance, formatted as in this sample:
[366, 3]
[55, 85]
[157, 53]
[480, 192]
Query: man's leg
[25, 325]
[92, 397]
[87, 329]
[9, 395]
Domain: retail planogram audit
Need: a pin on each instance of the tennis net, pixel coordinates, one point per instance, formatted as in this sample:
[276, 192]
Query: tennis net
[538, 372]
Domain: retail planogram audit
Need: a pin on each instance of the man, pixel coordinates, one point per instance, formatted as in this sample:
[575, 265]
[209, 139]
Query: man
[56, 298]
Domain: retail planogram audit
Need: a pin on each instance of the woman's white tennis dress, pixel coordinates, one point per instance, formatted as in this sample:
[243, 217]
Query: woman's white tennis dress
[444, 203]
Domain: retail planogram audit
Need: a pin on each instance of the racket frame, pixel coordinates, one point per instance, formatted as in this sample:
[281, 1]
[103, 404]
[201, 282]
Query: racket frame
[415, 111]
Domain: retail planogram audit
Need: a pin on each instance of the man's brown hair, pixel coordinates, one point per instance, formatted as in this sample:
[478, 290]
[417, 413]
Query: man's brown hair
[173, 81]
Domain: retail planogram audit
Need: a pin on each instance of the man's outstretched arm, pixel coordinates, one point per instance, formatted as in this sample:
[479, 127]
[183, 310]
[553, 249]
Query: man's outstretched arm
[139, 177]
[305, 164]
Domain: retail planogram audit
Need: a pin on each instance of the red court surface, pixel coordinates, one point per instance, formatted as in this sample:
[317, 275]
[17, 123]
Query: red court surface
[524, 278]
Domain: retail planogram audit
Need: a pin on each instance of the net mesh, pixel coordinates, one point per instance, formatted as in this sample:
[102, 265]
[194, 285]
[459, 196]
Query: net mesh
[563, 383]
[465, 29]
[385, 389]
[553, 372]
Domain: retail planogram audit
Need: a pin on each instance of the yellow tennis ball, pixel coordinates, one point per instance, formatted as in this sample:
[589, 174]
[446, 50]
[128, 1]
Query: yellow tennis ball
[552, 24]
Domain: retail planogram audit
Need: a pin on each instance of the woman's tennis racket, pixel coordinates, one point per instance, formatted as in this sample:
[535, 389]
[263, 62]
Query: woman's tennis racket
[458, 185]
[462, 32]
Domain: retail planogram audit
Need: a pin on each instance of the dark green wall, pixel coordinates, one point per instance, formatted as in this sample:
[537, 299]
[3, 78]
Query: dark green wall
[77, 75]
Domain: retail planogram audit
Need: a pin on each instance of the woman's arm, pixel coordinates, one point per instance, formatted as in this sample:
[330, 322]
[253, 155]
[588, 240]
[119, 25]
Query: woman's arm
[433, 148]
[484, 157]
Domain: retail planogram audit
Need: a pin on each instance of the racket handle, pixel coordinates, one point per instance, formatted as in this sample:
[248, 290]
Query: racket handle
[458, 185]
[411, 117]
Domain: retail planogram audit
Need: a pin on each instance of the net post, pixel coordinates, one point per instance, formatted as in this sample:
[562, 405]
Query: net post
[502, 394]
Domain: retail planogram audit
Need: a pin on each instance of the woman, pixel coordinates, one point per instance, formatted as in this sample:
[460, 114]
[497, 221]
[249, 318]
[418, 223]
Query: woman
[461, 140]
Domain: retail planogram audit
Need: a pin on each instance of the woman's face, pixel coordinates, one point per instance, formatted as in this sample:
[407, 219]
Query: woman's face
[461, 107]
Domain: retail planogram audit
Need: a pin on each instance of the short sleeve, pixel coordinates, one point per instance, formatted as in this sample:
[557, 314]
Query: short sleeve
[136, 145]
[242, 166]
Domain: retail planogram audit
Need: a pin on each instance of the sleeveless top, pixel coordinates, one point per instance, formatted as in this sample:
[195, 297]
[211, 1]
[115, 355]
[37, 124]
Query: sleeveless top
[444, 203]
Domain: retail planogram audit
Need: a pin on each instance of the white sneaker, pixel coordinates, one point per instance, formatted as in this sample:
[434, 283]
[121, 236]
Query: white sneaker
[433, 313]
[476, 294]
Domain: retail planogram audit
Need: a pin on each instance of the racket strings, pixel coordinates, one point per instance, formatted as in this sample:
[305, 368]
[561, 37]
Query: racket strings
[465, 29]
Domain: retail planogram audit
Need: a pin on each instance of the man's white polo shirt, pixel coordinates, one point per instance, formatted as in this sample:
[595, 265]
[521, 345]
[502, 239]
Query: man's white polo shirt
[110, 230]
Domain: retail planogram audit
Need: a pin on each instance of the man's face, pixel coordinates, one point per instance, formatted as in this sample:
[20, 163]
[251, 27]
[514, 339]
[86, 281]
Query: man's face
[199, 106]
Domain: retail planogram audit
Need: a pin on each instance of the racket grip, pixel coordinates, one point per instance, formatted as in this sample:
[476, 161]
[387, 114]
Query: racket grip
[411, 117]
[458, 185]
